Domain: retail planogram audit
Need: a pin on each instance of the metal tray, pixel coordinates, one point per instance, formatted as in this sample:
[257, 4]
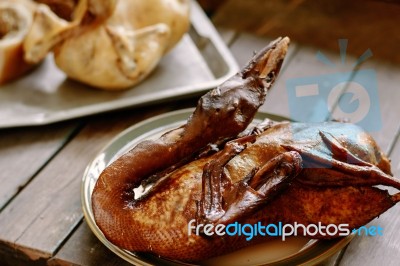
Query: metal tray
[199, 62]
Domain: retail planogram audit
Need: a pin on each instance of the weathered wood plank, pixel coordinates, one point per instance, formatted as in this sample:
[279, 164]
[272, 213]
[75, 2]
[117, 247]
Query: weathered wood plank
[83, 248]
[372, 247]
[318, 23]
[388, 92]
[379, 250]
[301, 62]
[23, 152]
[376, 249]
[40, 218]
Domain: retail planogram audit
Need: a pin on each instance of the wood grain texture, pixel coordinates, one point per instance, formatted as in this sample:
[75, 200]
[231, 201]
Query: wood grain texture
[367, 250]
[44, 220]
[300, 62]
[320, 23]
[24, 151]
[83, 248]
[384, 250]
[379, 250]
[303, 63]
[388, 109]
[40, 218]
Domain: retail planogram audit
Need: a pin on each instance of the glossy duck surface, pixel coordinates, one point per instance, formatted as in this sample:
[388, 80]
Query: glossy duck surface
[213, 170]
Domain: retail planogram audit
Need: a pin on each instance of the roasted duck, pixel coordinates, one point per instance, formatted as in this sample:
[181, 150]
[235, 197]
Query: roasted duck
[216, 170]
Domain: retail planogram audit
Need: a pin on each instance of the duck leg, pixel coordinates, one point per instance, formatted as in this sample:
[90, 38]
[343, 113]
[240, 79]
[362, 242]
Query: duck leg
[223, 202]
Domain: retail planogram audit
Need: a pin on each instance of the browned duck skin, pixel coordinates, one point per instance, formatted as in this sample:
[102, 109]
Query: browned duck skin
[340, 165]
[277, 172]
[221, 114]
[256, 179]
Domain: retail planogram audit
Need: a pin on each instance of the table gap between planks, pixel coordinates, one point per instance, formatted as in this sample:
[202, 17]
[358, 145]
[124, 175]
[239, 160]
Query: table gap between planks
[41, 218]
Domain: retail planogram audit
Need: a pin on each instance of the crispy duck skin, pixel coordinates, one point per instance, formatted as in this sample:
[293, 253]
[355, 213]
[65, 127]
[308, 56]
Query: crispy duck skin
[221, 114]
[276, 172]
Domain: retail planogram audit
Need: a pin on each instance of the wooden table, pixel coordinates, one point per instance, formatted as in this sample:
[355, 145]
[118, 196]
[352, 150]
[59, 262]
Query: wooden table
[41, 220]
